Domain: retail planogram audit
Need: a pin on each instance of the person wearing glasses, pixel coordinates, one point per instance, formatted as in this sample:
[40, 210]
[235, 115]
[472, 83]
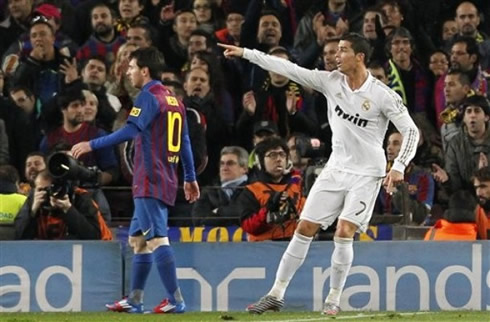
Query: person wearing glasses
[270, 206]
[216, 205]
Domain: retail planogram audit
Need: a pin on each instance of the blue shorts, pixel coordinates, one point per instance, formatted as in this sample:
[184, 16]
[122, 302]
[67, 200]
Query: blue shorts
[149, 218]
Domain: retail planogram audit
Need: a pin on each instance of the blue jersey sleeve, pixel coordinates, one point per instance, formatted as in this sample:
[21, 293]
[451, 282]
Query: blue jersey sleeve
[145, 109]
[128, 132]
[187, 157]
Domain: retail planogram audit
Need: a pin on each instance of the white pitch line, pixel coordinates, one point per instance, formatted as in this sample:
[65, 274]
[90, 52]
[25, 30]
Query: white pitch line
[348, 317]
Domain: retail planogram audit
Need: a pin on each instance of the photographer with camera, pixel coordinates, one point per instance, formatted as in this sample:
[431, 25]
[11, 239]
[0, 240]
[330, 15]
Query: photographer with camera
[271, 205]
[56, 209]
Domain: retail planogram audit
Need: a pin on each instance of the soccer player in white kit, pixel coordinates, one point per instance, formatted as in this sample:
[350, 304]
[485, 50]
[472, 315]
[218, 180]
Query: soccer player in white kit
[359, 110]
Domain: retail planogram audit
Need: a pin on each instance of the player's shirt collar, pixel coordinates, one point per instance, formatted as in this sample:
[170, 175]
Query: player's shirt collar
[149, 84]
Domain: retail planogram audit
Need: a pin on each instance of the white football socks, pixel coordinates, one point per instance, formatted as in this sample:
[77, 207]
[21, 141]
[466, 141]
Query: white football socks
[291, 260]
[341, 262]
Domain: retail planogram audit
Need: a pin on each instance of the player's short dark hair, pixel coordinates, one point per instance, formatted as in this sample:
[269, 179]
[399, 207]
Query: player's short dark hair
[359, 44]
[150, 58]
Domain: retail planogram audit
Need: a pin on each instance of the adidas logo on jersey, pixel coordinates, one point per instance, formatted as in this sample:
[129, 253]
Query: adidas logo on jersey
[354, 119]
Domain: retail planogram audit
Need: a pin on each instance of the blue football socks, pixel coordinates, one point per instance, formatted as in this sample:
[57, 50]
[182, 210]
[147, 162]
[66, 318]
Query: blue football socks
[165, 261]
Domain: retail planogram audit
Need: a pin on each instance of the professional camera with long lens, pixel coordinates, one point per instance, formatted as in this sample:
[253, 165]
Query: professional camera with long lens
[65, 168]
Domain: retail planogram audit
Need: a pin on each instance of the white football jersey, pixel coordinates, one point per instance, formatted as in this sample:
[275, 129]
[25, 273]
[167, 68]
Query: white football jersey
[358, 119]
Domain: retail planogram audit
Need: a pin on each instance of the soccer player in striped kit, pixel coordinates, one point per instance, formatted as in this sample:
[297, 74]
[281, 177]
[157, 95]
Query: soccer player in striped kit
[158, 124]
[359, 109]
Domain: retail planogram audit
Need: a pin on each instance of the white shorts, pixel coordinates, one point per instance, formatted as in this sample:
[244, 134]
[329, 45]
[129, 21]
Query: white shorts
[348, 196]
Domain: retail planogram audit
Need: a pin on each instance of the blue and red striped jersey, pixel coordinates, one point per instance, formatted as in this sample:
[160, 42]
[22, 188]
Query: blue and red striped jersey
[161, 120]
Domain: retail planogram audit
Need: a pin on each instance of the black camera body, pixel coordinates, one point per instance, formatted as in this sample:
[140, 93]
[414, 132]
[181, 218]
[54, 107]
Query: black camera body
[64, 169]
[280, 211]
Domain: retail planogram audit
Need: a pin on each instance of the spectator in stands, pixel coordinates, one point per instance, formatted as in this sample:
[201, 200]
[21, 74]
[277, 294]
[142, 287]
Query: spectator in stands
[118, 83]
[271, 205]
[4, 144]
[174, 37]
[21, 141]
[416, 192]
[216, 205]
[378, 71]
[281, 101]
[74, 130]
[10, 201]
[15, 23]
[439, 63]
[373, 31]
[231, 34]
[139, 35]
[208, 15]
[94, 76]
[199, 96]
[469, 150]
[70, 214]
[25, 99]
[262, 130]
[467, 20]
[35, 163]
[23, 46]
[465, 56]
[104, 40]
[449, 30]
[409, 78]
[481, 182]
[459, 219]
[457, 87]
[329, 51]
[130, 12]
[199, 40]
[40, 70]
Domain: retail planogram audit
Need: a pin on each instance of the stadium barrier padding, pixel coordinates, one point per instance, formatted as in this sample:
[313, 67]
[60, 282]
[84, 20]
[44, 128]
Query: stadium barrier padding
[395, 275]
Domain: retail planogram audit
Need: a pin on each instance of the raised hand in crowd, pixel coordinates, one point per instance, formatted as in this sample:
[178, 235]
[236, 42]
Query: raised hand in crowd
[167, 13]
[69, 69]
[482, 161]
[249, 103]
[439, 174]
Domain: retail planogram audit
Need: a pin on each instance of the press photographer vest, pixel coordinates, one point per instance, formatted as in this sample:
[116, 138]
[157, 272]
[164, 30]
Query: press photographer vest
[262, 194]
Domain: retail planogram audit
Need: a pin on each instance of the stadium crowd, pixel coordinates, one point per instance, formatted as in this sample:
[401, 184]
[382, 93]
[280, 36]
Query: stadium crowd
[63, 80]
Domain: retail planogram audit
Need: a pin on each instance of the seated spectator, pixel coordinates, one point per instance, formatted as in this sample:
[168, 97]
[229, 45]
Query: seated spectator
[468, 150]
[23, 46]
[417, 190]
[53, 214]
[281, 101]
[215, 206]
[41, 70]
[459, 219]
[104, 40]
[481, 181]
[271, 205]
[74, 130]
[35, 163]
[10, 201]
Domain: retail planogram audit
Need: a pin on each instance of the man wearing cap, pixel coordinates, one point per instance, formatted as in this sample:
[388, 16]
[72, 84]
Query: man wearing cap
[23, 47]
[469, 150]
[41, 70]
[262, 130]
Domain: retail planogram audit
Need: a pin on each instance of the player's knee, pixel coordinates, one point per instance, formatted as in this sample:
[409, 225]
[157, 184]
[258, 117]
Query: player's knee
[156, 242]
[139, 244]
[345, 229]
[307, 228]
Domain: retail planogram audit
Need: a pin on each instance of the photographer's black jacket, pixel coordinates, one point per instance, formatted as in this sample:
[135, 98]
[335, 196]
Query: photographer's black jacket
[80, 221]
